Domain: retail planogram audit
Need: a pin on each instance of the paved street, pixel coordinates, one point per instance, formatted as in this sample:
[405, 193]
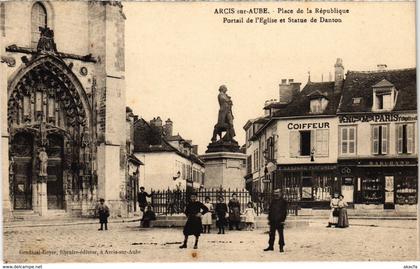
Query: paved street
[366, 240]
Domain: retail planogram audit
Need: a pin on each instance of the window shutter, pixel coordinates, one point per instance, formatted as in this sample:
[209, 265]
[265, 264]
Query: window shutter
[294, 143]
[352, 140]
[321, 147]
[313, 142]
[384, 139]
[410, 138]
[375, 139]
[400, 138]
[343, 142]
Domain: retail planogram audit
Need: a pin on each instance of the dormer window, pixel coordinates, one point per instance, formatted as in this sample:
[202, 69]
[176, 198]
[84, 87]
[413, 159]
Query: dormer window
[318, 102]
[318, 105]
[384, 96]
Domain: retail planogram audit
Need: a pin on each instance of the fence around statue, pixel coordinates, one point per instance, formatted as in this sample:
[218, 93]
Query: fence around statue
[170, 202]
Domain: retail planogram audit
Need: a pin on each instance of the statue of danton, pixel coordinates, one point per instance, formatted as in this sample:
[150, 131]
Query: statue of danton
[225, 117]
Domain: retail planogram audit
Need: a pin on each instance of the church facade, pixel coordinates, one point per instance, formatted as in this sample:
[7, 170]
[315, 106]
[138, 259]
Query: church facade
[63, 110]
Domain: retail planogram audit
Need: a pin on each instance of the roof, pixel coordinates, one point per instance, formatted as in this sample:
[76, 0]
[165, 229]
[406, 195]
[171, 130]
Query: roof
[174, 138]
[149, 139]
[134, 159]
[359, 84]
[300, 105]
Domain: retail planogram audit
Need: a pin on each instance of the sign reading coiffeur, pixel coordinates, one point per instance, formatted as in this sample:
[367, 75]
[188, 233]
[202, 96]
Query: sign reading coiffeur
[310, 125]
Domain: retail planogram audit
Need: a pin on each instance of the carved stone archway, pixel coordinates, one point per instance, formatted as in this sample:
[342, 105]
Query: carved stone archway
[46, 99]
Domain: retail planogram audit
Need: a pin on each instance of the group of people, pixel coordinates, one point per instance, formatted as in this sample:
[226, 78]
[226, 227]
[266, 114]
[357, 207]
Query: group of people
[199, 218]
[338, 214]
[227, 215]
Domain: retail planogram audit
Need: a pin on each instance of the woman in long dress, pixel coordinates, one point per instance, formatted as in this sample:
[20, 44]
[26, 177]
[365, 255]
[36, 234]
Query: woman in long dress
[343, 219]
[206, 219]
[333, 219]
[193, 226]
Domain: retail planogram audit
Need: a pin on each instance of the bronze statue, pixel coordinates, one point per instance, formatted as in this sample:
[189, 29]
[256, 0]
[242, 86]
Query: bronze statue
[43, 162]
[225, 118]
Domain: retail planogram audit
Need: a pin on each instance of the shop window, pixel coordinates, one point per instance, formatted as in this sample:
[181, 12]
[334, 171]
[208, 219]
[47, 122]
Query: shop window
[372, 190]
[405, 138]
[380, 139]
[348, 140]
[322, 188]
[38, 19]
[305, 143]
[406, 190]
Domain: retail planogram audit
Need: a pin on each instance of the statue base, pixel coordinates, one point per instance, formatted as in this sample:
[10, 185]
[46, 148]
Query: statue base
[224, 169]
[223, 146]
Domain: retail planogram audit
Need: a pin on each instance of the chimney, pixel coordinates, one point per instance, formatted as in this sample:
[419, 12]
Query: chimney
[136, 118]
[153, 122]
[195, 149]
[287, 90]
[382, 67]
[158, 122]
[338, 74]
[168, 127]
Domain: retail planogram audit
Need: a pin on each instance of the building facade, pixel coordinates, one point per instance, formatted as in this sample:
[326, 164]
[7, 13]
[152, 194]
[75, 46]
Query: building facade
[170, 162]
[354, 136]
[63, 140]
[378, 139]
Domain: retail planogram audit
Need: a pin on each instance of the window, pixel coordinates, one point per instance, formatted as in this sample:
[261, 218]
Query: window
[302, 143]
[270, 148]
[256, 160]
[348, 140]
[38, 19]
[305, 143]
[318, 105]
[380, 139]
[357, 100]
[384, 96]
[249, 164]
[405, 138]
[383, 101]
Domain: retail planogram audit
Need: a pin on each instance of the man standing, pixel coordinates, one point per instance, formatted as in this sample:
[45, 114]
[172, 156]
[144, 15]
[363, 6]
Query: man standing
[141, 198]
[193, 226]
[276, 218]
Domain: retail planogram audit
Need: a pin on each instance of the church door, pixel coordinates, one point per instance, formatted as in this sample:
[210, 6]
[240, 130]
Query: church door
[22, 153]
[55, 188]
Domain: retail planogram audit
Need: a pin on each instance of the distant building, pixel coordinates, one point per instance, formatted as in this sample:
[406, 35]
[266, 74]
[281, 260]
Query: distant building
[170, 162]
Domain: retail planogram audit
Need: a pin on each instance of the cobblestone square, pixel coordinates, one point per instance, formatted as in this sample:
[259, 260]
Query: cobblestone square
[364, 240]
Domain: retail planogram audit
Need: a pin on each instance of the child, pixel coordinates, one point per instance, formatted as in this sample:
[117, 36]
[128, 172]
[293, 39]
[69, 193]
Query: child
[148, 217]
[250, 216]
[206, 218]
[103, 213]
[221, 212]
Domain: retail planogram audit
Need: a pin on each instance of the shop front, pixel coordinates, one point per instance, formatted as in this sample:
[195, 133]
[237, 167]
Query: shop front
[311, 186]
[381, 183]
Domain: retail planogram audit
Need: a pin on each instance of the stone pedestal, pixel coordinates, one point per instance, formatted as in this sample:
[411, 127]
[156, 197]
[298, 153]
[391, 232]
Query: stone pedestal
[39, 197]
[224, 169]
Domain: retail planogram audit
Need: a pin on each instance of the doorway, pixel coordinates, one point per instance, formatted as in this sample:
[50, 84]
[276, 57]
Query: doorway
[55, 188]
[22, 154]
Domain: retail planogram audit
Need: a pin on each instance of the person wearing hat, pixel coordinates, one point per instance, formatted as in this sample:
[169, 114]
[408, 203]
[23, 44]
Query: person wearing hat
[142, 198]
[276, 217]
[194, 210]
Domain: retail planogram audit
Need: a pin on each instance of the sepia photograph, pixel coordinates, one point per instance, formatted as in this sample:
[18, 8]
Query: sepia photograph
[169, 132]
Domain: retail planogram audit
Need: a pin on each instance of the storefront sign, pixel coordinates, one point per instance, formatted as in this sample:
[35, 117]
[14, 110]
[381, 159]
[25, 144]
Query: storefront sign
[307, 167]
[311, 125]
[388, 163]
[391, 117]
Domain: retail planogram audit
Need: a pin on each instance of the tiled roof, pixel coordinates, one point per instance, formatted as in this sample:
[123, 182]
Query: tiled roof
[359, 85]
[300, 105]
[148, 138]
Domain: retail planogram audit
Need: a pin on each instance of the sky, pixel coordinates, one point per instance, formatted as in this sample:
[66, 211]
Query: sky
[178, 54]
